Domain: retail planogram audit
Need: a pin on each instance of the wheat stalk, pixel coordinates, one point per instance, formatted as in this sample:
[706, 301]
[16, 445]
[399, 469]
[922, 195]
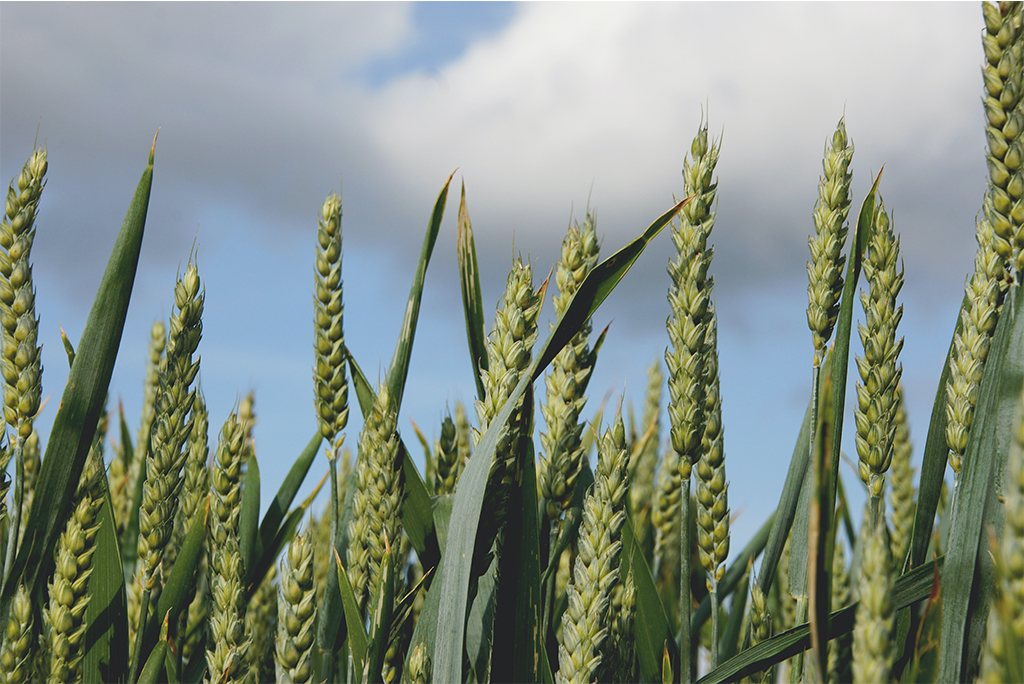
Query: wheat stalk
[641, 473]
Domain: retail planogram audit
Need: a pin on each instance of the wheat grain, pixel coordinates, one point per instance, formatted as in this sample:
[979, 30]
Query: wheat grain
[261, 624]
[17, 658]
[642, 470]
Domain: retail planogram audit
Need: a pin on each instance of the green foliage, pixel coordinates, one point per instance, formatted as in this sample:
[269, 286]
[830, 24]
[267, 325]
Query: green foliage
[462, 575]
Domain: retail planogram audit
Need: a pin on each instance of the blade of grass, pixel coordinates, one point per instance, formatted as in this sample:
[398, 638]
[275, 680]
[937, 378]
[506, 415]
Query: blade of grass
[249, 516]
[286, 494]
[277, 544]
[908, 589]
[399, 369]
[730, 645]
[357, 640]
[106, 637]
[472, 299]
[454, 578]
[966, 577]
[654, 639]
[81, 404]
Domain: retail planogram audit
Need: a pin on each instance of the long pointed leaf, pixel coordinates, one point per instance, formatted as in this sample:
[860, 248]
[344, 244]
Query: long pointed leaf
[966, 577]
[454, 579]
[357, 640]
[399, 369]
[249, 516]
[651, 628]
[81, 404]
[472, 299]
[908, 589]
[286, 494]
[106, 637]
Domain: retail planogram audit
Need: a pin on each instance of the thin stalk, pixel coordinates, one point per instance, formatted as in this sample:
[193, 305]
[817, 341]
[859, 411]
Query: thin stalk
[140, 633]
[14, 525]
[685, 544]
[714, 625]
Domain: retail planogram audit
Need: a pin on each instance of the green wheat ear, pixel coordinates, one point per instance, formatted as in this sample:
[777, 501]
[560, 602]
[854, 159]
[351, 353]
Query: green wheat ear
[376, 503]
[561, 450]
[596, 572]
[64, 615]
[873, 629]
[825, 269]
[880, 370]
[296, 613]
[329, 378]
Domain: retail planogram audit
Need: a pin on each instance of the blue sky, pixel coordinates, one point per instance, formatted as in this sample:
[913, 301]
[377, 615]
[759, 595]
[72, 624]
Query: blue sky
[264, 109]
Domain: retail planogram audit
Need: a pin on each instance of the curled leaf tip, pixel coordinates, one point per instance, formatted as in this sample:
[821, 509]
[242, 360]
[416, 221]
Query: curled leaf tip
[152, 148]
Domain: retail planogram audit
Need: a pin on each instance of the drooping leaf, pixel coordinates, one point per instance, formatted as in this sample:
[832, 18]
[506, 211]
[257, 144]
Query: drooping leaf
[81, 404]
[454, 577]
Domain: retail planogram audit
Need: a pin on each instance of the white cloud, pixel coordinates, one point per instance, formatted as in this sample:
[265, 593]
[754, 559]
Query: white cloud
[612, 93]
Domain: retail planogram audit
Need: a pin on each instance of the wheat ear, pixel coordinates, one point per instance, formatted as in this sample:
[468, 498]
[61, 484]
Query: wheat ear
[561, 452]
[296, 615]
[596, 572]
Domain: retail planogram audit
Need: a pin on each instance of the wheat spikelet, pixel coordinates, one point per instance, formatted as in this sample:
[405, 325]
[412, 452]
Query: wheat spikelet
[20, 362]
[261, 625]
[901, 496]
[418, 668]
[1003, 76]
[971, 343]
[329, 378]
[561, 451]
[227, 646]
[449, 463]
[760, 627]
[873, 629]
[64, 615]
[296, 613]
[17, 658]
[712, 489]
[376, 503]
[596, 572]
[825, 269]
[875, 414]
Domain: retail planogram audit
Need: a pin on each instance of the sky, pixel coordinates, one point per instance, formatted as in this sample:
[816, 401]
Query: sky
[541, 110]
